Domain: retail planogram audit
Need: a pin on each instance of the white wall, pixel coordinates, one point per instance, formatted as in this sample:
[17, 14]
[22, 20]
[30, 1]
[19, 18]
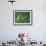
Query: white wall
[38, 30]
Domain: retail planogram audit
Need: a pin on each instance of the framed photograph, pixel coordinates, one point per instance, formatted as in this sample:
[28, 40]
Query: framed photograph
[22, 17]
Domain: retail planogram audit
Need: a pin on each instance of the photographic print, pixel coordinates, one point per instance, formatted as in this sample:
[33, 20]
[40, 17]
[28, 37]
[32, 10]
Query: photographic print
[22, 17]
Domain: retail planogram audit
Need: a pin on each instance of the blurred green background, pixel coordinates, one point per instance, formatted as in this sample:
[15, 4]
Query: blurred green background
[22, 17]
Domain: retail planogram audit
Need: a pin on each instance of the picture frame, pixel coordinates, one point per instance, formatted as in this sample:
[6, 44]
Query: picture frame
[22, 17]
